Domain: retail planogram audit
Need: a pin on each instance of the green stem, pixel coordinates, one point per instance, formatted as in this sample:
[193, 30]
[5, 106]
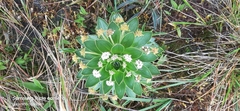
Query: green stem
[121, 37]
[111, 39]
[92, 53]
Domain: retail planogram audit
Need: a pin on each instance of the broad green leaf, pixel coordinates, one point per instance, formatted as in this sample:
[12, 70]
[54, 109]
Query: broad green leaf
[113, 26]
[114, 15]
[78, 53]
[133, 24]
[90, 56]
[20, 61]
[153, 69]
[130, 92]
[105, 87]
[82, 11]
[93, 37]
[101, 24]
[118, 77]
[109, 66]
[144, 71]
[91, 81]
[86, 71]
[67, 50]
[117, 32]
[31, 86]
[65, 42]
[103, 45]
[79, 74]
[56, 29]
[128, 40]
[162, 59]
[2, 67]
[37, 83]
[137, 88]
[141, 41]
[117, 49]
[148, 57]
[78, 38]
[79, 19]
[93, 63]
[181, 7]
[44, 32]
[134, 52]
[131, 66]
[102, 108]
[129, 81]
[90, 44]
[120, 89]
[104, 74]
[174, 4]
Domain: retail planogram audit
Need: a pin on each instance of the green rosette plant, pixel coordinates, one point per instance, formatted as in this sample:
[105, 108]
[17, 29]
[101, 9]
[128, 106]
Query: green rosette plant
[118, 59]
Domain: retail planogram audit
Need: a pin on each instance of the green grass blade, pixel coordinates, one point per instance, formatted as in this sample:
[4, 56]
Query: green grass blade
[150, 107]
[47, 105]
[202, 20]
[164, 105]
[127, 2]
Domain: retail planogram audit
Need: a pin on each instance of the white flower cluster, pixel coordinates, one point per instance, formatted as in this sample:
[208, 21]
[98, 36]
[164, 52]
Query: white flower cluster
[105, 55]
[100, 64]
[110, 83]
[126, 58]
[146, 49]
[139, 64]
[114, 57]
[96, 73]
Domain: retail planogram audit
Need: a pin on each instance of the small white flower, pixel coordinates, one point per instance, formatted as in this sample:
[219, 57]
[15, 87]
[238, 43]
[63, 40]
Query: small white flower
[124, 65]
[139, 64]
[146, 49]
[105, 55]
[127, 57]
[96, 73]
[114, 57]
[100, 64]
[110, 83]
[111, 72]
[129, 74]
